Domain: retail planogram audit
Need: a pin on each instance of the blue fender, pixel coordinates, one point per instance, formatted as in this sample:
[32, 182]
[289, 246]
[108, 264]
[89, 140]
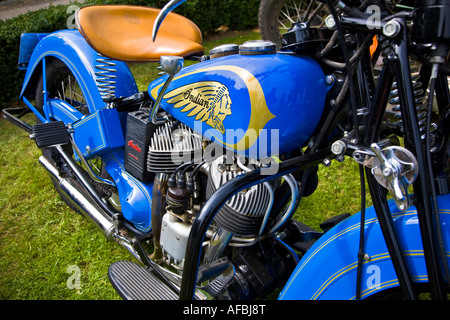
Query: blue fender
[328, 269]
[70, 47]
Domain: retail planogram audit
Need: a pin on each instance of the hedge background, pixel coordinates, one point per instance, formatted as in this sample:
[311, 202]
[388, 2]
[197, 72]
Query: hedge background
[207, 14]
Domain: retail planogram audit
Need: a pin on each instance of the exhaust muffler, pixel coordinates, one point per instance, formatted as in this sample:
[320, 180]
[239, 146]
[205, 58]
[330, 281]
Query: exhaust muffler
[80, 201]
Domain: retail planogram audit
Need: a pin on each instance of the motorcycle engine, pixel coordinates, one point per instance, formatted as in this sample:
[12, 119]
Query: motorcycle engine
[176, 150]
[190, 169]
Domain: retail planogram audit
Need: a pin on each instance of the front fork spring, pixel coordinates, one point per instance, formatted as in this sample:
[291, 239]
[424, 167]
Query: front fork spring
[394, 107]
[419, 96]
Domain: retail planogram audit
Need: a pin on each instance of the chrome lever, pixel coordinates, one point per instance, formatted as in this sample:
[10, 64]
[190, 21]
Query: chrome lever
[170, 65]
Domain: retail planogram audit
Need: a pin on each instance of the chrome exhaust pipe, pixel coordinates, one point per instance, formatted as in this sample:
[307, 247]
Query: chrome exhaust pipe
[100, 217]
[80, 201]
[158, 199]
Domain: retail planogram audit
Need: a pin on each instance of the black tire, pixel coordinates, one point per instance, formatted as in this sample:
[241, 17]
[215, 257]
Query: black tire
[273, 16]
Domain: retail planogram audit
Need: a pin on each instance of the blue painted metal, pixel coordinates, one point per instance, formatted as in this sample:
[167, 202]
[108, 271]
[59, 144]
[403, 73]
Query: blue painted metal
[28, 42]
[98, 133]
[135, 196]
[273, 100]
[328, 270]
[62, 111]
[70, 47]
[35, 111]
[45, 106]
[102, 129]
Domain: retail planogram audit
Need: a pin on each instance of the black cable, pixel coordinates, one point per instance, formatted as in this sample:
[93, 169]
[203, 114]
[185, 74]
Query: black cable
[173, 176]
[361, 233]
[348, 68]
[353, 106]
[194, 172]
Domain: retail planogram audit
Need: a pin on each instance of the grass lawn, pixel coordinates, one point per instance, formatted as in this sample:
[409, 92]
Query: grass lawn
[41, 239]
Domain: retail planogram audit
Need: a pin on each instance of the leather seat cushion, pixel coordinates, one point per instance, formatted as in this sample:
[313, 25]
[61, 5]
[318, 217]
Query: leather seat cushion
[124, 32]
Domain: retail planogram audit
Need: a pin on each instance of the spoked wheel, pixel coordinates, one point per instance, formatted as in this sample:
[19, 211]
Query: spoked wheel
[62, 84]
[277, 16]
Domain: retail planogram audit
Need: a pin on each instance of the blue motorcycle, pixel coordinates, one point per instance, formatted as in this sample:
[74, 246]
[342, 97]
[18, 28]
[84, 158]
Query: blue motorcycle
[199, 176]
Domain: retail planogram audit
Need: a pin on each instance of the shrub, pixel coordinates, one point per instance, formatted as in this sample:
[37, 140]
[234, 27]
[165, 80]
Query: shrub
[207, 14]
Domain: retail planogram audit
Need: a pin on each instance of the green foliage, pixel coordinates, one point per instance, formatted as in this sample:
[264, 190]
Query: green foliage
[207, 14]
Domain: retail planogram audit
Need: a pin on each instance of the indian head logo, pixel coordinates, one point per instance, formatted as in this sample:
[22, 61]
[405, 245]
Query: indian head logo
[208, 101]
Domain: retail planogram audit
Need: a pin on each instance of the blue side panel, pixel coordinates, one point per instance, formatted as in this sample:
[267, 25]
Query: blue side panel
[135, 196]
[70, 47]
[98, 133]
[328, 270]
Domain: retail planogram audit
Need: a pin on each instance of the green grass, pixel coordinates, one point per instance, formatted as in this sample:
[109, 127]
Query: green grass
[40, 237]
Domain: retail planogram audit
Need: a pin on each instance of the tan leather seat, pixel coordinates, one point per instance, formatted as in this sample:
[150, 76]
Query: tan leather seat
[124, 32]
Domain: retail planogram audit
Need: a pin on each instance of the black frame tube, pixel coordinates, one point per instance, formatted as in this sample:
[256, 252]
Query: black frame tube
[413, 142]
[14, 114]
[378, 194]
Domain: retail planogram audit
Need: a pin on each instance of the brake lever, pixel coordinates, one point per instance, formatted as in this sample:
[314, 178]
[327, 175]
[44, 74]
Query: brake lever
[169, 7]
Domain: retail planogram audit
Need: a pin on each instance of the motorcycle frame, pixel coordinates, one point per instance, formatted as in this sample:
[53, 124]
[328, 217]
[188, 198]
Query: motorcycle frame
[70, 47]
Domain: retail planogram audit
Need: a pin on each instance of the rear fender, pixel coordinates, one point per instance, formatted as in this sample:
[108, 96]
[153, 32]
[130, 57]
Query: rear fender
[70, 47]
[328, 270]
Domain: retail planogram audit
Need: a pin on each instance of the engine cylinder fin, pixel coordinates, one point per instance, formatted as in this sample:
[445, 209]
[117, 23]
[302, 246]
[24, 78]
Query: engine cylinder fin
[171, 145]
[244, 212]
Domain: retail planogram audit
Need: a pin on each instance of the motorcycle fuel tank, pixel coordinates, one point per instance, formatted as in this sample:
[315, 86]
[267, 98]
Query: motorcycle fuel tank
[257, 103]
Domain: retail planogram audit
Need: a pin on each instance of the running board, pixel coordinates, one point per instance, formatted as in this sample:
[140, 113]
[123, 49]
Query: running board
[133, 282]
[50, 134]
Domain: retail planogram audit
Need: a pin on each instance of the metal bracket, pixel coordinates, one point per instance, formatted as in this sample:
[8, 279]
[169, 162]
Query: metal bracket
[395, 168]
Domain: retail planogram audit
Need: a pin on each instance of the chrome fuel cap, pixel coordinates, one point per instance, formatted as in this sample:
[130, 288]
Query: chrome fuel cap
[224, 50]
[257, 47]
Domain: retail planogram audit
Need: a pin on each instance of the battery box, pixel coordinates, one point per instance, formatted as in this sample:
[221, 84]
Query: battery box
[137, 141]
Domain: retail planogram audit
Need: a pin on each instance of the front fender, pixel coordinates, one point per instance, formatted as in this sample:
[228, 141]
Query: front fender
[328, 270]
[70, 47]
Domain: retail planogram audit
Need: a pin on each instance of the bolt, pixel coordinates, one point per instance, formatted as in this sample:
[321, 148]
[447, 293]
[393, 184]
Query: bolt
[326, 162]
[338, 147]
[330, 23]
[391, 29]
[329, 80]
[387, 172]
